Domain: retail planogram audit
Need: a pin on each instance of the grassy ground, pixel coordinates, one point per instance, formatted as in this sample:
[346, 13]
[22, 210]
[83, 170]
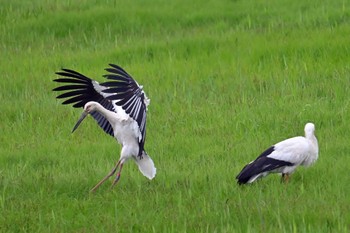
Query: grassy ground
[226, 80]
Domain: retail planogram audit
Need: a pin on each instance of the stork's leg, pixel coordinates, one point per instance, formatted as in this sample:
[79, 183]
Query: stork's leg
[118, 175]
[104, 179]
[285, 177]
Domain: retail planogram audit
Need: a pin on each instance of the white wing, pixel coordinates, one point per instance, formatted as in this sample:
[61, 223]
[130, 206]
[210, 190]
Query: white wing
[294, 150]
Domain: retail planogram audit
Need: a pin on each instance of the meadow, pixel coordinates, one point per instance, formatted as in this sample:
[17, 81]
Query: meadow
[226, 80]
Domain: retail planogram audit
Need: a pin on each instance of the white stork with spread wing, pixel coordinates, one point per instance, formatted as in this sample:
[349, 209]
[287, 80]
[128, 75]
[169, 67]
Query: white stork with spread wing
[119, 106]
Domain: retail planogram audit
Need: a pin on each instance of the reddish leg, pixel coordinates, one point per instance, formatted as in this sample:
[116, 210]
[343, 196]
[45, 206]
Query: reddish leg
[117, 176]
[104, 179]
[285, 177]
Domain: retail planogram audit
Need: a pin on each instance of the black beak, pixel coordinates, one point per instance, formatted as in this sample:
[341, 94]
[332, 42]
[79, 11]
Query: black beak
[82, 117]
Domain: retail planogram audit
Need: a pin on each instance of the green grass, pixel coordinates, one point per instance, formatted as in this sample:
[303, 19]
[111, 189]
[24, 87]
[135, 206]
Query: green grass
[226, 80]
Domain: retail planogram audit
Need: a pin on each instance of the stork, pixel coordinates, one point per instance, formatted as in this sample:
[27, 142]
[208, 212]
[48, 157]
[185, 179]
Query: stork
[283, 157]
[119, 106]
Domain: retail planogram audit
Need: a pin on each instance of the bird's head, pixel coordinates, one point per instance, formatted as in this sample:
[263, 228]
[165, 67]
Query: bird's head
[309, 129]
[88, 108]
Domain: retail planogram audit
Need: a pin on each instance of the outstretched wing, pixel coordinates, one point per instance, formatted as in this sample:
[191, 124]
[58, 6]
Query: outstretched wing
[79, 90]
[129, 95]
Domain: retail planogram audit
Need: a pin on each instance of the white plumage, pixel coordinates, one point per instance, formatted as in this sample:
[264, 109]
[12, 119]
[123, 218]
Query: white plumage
[283, 157]
[119, 107]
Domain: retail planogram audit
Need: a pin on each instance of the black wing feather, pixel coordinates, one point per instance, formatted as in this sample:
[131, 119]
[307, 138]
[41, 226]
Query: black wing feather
[69, 87]
[69, 80]
[118, 70]
[116, 89]
[79, 95]
[129, 96]
[72, 73]
[260, 165]
[70, 94]
[118, 77]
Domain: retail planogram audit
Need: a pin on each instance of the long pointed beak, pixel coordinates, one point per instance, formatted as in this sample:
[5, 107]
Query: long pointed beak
[82, 117]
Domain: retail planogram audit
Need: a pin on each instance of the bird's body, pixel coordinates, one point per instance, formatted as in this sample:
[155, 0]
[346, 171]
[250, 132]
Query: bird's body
[283, 157]
[119, 107]
[126, 132]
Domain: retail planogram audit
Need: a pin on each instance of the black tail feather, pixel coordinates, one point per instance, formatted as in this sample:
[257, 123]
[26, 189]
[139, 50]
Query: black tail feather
[258, 167]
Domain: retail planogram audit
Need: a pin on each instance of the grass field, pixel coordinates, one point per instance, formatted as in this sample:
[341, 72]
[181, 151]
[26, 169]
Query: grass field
[226, 80]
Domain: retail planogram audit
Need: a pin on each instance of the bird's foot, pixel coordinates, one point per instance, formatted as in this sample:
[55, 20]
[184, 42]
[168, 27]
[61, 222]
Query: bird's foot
[116, 180]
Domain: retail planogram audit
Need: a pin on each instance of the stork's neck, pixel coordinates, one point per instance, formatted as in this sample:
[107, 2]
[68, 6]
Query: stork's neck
[312, 138]
[310, 135]
[109, 115]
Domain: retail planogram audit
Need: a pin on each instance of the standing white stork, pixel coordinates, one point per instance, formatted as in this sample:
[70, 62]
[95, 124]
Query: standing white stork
[119, 107]
[283, 157]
